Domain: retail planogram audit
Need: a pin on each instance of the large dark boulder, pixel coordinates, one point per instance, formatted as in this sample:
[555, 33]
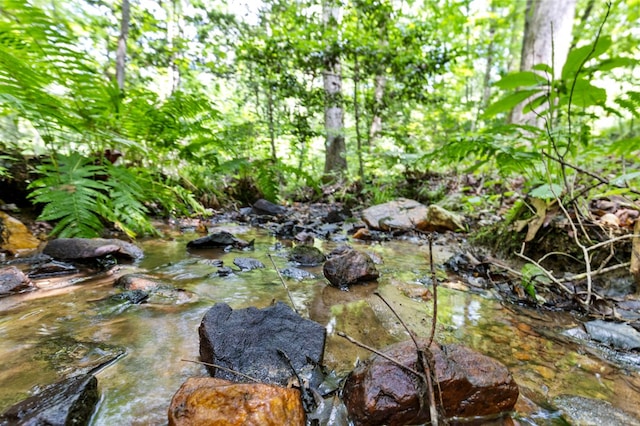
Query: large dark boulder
[91, 248]
[348, 268]
[250, 340]
[380, 392]
[68, 402]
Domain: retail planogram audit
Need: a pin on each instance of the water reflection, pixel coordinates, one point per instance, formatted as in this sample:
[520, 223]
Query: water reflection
[157, 337]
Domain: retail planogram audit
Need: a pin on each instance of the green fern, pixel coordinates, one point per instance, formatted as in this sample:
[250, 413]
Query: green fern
[71, 196]
[123, 203]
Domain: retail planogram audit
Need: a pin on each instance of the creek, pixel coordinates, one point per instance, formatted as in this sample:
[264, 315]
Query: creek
[160, 338]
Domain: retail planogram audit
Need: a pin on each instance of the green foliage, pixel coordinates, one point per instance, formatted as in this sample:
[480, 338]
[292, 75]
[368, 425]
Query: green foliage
[82, 196]
[71, 196]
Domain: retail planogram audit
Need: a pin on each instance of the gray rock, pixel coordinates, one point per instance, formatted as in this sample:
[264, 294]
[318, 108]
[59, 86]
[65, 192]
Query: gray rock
[247, 263]
[617, 335]
[264, 207]
[91, 248]
[398, 214]
[296, 274]
[68, 402]
[13, 280]
[249, 340]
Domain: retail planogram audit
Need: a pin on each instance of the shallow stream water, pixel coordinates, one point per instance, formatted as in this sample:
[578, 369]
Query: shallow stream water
[160, 339]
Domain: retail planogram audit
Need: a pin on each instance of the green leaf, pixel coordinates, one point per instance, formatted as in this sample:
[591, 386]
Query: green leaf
[585, 94]
[546, 191]
[578, 56]
[509, 102]
[521, 79]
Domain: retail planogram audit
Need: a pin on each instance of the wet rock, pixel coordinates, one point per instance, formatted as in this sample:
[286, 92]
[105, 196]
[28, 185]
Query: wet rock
[91, 248]
[306, 255]
[438, 219]
[296, 274]
[224, 271]
[68, 356]
[133, 297]
[578, 410]
[616, 335]
[249, 341]
[138, 282]
[264, 207]
[202, 400]
[247, 263]
[68, 402]
[379, 392]
[13, 280]
[53, 268]
[222, 239]
[156, 291]
[15, 238]
[349, 268]
[398, 214]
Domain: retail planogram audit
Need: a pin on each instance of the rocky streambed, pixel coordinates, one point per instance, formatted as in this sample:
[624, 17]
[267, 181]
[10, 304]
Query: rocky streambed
[133, 323]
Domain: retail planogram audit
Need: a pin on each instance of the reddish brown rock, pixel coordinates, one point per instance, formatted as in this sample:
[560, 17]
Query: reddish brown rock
[349, 268]
[209, 401]
[380, 392]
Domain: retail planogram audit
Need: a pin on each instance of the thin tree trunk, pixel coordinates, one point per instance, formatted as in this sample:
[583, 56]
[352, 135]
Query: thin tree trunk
[121, 54]
[335, 147]
[356, 112]
[379, 84]
[547, 38]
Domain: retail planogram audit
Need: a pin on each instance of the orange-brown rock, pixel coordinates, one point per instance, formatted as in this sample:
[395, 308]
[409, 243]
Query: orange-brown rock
[15, 238]
[210, 401]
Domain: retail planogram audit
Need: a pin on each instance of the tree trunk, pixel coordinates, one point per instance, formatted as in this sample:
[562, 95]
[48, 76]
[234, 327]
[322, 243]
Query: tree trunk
[379, 84]
[121, 54]
[547, 38]
[335, 155]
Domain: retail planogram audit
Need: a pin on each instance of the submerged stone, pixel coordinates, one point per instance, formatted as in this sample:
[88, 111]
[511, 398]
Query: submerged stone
[578, 410]
[380, 392]
[247, 263]
[210, 401]
[251, 341]
[68, 402]
[306, 255]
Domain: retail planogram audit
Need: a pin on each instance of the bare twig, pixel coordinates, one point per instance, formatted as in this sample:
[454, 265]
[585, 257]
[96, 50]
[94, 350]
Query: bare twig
[434, 282]
[284, 284]
[582, 276]
[381, 354]
[550, 276]
[228, 370]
